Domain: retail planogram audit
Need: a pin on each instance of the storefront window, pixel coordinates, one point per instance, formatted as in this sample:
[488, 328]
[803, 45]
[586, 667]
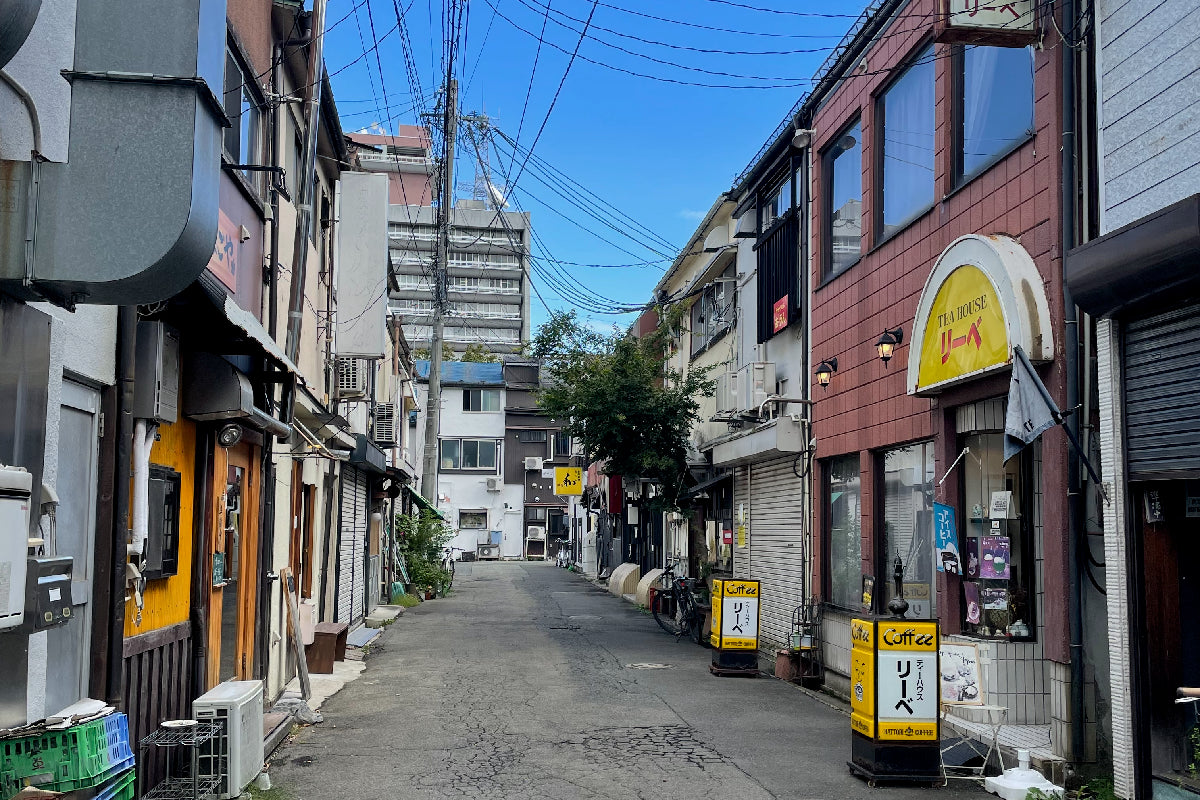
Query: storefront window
[998, 554]
[842, 497]
[908, 527]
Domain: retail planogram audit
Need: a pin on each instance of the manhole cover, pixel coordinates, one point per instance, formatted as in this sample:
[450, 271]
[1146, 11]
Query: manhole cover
[648, 666]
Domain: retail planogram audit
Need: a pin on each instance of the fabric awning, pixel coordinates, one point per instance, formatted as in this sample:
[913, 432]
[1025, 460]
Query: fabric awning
[423, 504]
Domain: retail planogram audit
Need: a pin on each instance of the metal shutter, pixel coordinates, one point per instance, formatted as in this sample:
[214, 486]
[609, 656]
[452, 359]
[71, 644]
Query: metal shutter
[777, 523]
[351, 545]
[1162, 384]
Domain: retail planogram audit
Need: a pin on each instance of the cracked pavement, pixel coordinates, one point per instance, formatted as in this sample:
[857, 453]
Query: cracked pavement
[530, 682]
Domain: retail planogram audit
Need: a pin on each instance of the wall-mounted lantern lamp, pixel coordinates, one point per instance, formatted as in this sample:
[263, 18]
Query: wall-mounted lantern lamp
[887, 343]
[825, 371]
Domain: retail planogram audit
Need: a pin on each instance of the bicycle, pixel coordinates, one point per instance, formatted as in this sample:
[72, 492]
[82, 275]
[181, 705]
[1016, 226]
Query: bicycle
[674, 605]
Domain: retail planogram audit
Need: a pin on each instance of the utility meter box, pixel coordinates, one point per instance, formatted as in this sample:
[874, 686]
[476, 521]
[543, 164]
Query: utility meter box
[156, 384]
[47, 593]
[16, 486]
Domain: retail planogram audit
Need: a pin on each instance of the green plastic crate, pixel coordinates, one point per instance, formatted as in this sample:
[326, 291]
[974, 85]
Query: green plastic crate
[123, 787]
[79, 757]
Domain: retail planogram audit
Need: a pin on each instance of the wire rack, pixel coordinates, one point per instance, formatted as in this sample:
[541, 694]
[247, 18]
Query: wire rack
[188, 737]
[182, 789]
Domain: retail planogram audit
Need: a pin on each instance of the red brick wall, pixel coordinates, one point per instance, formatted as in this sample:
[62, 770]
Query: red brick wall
[866, 405]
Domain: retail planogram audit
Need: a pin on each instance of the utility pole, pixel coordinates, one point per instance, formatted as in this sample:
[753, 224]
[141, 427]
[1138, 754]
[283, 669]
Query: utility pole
[306, 193]
[433, 403]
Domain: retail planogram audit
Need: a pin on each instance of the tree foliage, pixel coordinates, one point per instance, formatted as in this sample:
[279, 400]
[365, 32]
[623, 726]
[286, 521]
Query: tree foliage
[619, 398]
[421, 541]
[479, 354]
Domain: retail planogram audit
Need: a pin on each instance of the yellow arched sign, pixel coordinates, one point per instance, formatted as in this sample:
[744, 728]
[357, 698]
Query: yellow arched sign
[965, 331]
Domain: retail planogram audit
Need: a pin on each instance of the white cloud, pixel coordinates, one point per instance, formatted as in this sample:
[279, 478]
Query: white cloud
[687, 213]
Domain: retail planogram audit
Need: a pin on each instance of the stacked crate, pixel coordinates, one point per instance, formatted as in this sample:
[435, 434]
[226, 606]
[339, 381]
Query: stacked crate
[92, 759]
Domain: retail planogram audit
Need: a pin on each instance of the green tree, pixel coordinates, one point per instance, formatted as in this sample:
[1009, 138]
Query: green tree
[421, 541]
[423, 353]
[479, 354]
[619, 398]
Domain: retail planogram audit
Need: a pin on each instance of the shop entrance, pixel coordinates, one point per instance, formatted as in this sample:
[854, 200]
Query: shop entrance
[234, 564]
[1170, 608]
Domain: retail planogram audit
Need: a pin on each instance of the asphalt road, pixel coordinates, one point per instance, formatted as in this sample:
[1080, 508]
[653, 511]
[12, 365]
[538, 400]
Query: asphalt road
[530, 682]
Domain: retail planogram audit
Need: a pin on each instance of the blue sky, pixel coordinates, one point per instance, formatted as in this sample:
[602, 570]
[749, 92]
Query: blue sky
[649, 146]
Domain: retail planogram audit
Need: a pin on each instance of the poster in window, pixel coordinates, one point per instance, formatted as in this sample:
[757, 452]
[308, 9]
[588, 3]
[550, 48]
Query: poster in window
[997, 559]
[995, 599]
[971, 591]
[946, 533]
[868, 592]
[1154, 507]
[972, 558]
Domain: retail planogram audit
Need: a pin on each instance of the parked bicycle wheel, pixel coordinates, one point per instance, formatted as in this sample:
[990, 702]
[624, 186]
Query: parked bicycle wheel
[667, 606]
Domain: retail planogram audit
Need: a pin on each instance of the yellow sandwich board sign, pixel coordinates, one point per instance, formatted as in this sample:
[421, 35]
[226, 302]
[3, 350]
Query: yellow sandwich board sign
[735, 615]
[862, 677]
[568, 480]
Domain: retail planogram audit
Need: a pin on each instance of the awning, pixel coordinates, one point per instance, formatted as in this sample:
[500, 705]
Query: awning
[423, 504]
[704, 485]
[1145, 266]
[368, 456]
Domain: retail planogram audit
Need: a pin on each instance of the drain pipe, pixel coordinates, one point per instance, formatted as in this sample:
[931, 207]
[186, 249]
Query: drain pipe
[1075, 492]
[126, 353]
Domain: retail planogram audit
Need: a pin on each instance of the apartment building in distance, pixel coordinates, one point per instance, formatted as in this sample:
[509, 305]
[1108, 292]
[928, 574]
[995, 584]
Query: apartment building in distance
[489, 250]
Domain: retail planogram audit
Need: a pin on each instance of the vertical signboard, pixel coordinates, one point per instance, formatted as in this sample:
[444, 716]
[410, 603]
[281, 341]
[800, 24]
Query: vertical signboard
[907, 681]
[894, 699]
[862, 677]
[735, 615]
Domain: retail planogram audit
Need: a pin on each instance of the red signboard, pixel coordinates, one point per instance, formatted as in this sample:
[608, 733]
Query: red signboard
[781, 314]
[727, 536]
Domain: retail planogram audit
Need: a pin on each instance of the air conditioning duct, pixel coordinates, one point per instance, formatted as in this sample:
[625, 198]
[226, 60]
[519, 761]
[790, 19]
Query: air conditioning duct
[120, 205]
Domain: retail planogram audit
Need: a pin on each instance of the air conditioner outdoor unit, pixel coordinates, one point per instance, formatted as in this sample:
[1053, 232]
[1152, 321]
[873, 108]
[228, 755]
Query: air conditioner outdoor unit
[385, 425]
[494, 484]
[726, 395]
[235, 756]
[756, 382]
[488, 551]
[533, 463]
[352, 377]
[537, 532]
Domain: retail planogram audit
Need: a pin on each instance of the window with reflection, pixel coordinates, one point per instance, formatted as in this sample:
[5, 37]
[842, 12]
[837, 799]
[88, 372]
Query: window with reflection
[995, 104]
[843, 200]
[844, 521]
[907, 125]
[908, 528]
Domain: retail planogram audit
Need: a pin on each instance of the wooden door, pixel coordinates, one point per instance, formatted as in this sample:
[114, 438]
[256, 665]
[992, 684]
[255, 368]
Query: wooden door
[234, 555]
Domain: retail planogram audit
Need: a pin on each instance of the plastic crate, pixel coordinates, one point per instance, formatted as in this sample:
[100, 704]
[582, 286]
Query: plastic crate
[75, 758]
[123, 787]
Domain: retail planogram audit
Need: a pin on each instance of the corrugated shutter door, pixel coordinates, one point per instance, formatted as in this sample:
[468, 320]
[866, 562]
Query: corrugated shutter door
[777, 522]
[351, 539]
[360, 550]
[1162, 384]
[741, 498]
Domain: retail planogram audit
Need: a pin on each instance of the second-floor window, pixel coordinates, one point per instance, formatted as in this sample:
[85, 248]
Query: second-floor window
[843, 201]
[562, 445]
[475, 454]
[779, 291]
[907, 131]
[995, 105]
[713, 311]
[481, 399]
[243, 109]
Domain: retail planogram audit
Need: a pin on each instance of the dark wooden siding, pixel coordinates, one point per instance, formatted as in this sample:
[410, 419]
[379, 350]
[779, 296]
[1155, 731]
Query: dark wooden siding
[778, 274]
[157, 687]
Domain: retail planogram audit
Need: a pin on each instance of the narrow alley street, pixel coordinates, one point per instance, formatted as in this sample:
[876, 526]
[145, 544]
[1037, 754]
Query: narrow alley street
[530, 682]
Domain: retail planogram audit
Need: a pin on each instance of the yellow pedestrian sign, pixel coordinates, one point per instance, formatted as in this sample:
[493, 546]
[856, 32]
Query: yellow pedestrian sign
[568, 480]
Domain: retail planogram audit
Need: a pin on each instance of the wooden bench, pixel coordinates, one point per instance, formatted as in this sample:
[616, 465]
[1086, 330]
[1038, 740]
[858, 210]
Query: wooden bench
[329, 645]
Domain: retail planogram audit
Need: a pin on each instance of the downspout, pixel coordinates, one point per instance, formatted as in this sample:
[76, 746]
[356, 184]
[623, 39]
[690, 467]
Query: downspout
[126, 356]
[1075, 493]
